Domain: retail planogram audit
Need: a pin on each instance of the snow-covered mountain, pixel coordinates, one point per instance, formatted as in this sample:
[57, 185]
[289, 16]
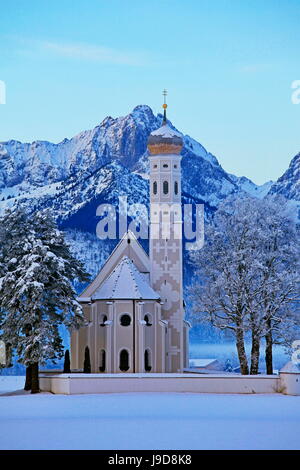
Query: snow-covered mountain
[76, 175]
[288, 185]
[39, 163]
[97, 166]
[246, 185]
[42, 169]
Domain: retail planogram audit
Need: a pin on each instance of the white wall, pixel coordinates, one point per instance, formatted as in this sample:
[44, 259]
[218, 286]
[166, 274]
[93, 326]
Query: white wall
[193, 383]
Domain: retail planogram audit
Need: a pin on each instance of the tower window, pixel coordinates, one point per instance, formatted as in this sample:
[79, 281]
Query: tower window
[148, 366]
[176, 187]
[124, 360]
[125, 320]
[175, 166]
[147, 319]
[154, 166]
[102, 360]
[103, 320]
[165, 165]
[155, 187]
[165, 187]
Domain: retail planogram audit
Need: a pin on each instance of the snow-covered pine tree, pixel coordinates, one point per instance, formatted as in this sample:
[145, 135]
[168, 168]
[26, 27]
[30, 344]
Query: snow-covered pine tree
[36, 293]
[248, 274]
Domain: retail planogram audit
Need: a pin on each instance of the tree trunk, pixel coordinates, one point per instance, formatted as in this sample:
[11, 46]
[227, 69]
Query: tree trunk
[241, 351]
[35, 386]
[269, 348]
[254, 354]
[28, 380]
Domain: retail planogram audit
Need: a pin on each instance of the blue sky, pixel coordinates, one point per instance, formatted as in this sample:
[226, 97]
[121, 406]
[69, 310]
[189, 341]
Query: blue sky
[228, 66]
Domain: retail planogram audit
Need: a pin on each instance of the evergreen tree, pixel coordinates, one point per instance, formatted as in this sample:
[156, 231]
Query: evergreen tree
[87, 361]
[67, 363]
[36, 294]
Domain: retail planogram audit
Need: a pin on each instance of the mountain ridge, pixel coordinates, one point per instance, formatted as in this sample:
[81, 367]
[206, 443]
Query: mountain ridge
[25, 167]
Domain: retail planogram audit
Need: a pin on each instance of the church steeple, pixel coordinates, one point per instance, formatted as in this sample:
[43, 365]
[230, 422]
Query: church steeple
[165, 107]
[165, 145]
[165, 140]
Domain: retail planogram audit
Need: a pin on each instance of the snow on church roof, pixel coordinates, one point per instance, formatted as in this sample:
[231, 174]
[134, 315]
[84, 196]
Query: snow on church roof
[125, 282]
[166, 131]
[165, 141]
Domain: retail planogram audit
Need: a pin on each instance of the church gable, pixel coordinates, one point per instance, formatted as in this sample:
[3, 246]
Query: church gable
[128, 246]
[125, 282]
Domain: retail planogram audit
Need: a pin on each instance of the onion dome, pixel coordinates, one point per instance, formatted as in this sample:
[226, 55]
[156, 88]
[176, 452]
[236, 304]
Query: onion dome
[165, 140]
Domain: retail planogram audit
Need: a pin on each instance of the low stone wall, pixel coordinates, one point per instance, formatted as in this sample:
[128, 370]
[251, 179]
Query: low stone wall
[192, 383]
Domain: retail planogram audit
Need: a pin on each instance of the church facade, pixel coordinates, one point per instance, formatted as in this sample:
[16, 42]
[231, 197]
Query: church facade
[134, 309]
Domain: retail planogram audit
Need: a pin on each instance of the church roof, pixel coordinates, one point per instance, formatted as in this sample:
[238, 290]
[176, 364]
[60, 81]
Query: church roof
[166, 131]
[125, 282]
[165, 140]
[127, 246]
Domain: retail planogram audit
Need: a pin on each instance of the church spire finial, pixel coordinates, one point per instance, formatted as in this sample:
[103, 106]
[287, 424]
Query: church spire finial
[165, 106]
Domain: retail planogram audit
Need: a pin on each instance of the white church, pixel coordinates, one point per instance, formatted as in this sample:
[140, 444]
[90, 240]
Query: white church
[134, 308]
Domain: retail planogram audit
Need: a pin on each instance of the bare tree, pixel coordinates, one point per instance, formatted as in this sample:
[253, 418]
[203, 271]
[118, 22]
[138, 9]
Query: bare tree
[247, 275]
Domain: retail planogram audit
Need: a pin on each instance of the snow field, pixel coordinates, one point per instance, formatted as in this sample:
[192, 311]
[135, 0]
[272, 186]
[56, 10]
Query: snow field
[147, 421]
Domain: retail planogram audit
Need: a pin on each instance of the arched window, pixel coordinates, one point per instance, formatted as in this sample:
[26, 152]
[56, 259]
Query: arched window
[102, 360]
[148, 366]
[147, 319]
[165, 187]
[103, 319]
[87, 361]
[125, 320]
[155, 187]
[124, 360]
[176, 187]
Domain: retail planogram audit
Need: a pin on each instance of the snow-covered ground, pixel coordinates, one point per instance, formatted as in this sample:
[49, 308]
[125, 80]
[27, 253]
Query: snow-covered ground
[226, 351]
[147, 421]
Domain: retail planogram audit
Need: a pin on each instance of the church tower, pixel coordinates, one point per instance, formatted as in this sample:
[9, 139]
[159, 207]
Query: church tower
[165, 145]
[133, 309]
